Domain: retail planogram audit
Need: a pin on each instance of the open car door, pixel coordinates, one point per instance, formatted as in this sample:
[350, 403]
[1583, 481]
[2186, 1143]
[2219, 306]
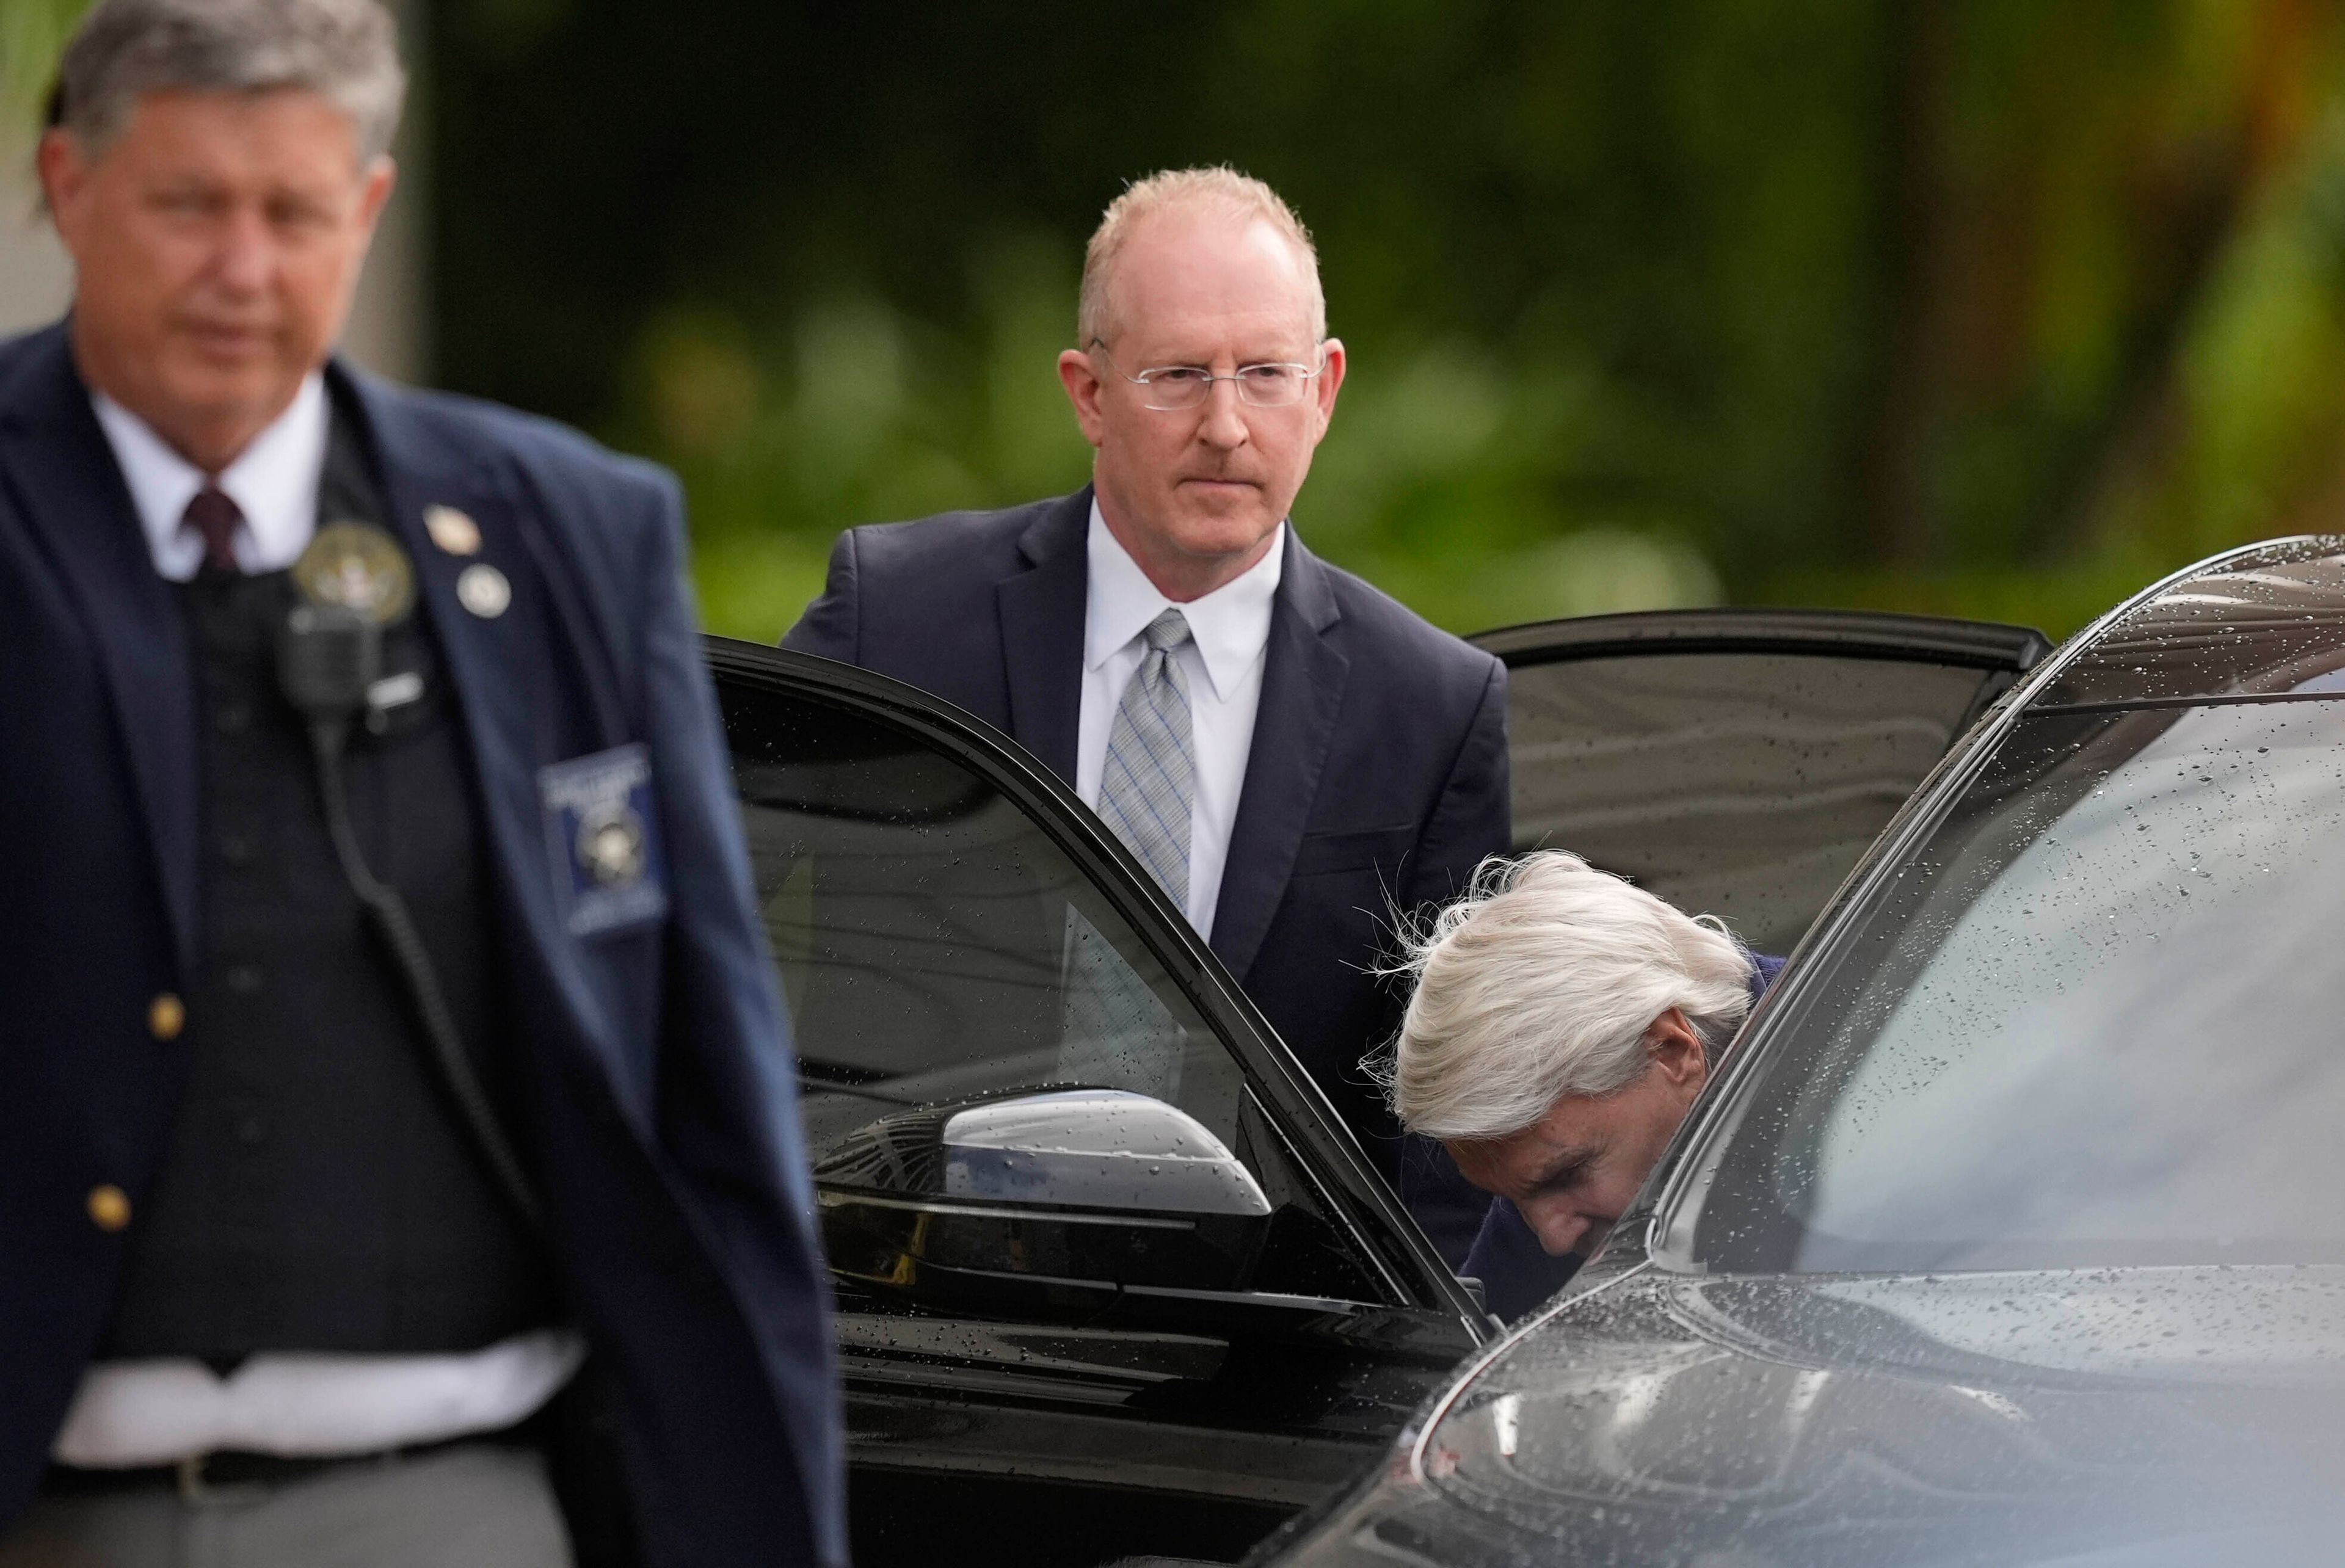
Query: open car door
[1737, 763]
[1111, 1281]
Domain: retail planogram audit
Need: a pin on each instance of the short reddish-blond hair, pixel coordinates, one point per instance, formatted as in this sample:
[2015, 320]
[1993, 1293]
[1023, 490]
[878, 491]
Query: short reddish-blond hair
[1220, 189]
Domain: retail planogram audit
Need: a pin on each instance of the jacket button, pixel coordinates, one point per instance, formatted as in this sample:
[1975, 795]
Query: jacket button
[166, 1017]
[109, 1207]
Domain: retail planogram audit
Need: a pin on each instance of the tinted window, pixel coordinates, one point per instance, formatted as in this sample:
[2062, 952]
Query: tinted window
[2098, 1018]
[1743, 784]
[934, 945]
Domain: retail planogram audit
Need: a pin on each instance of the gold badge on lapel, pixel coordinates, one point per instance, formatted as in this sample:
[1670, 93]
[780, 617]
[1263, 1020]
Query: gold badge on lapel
[358, 567]
[482, 589]
[452, 530]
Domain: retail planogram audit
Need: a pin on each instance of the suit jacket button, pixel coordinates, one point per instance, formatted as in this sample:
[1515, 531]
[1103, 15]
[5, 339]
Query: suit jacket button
[166, 1017]
[109, 1207]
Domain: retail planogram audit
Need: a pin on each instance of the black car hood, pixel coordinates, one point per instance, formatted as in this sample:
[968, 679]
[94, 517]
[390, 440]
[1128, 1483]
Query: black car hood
[2102, 1417]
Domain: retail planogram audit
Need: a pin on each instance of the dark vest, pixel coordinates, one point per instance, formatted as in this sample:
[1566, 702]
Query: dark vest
[321, 1193]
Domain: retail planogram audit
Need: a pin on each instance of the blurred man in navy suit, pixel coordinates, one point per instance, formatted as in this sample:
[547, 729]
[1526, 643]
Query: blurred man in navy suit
[398, 1132]
[1291, 753]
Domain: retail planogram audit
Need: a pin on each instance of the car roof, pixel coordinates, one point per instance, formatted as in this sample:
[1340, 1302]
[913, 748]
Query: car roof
[2264, 622]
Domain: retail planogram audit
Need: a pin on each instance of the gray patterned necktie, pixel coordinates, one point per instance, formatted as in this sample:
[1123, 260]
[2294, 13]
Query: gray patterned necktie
[1150, 776]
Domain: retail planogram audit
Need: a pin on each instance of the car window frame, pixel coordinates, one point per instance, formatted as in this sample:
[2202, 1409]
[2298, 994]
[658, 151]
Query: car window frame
[1987, 645]
[1659, 1219]
[1848, 634]
[2007, 655]
[1390, 1241]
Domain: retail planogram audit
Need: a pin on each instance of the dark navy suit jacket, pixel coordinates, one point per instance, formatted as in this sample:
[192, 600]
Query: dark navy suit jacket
[1517, 1273]
[1378, 776]
[653, 1067]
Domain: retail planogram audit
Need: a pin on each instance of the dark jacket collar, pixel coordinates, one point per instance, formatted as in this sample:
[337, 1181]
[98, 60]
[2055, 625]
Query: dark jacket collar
[1042, 611]
[67, 484]
[1303, 679]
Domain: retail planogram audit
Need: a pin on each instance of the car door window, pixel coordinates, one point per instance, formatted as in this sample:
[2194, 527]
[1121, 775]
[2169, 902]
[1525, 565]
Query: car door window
[1726, 776]
[937, 946]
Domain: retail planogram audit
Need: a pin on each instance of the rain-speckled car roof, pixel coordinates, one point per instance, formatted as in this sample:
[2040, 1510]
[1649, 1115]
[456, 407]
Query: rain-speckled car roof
[2259, 623]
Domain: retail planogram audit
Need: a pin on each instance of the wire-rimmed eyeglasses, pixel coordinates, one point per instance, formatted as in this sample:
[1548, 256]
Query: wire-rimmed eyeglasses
[1177, 389]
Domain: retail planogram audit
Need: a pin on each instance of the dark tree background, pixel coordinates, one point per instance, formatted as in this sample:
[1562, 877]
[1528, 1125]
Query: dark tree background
[1990, 307]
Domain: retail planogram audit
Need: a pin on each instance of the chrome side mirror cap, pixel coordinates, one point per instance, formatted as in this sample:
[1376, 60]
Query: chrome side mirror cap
[1073, 1195]
[1096, 1148]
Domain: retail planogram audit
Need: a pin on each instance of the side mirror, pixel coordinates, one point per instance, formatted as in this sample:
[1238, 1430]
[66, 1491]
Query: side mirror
[1070, 1196]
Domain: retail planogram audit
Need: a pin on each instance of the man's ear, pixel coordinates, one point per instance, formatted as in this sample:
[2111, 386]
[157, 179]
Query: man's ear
[1330, 382]
[1677, 1050]
[64, 172]
[382, 177]
[1081, 379]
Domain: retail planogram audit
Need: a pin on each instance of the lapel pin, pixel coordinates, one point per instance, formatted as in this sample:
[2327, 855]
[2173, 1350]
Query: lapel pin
[482, 589]
[360, 568]
[452, 530]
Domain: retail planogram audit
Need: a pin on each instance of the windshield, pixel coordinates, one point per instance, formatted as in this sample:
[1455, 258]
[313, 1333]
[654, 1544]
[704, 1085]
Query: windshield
[2099, 1018]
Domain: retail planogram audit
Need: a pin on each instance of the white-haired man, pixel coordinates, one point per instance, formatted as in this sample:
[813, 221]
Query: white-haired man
[1286, 750]
[1562, 1024]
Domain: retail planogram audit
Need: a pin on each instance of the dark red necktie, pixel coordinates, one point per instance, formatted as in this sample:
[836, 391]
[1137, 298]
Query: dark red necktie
[213, 515]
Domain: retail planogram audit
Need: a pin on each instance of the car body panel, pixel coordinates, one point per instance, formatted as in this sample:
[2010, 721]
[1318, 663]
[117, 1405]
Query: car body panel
[1659, 1411]
[2267, 621]
[1842, 1422]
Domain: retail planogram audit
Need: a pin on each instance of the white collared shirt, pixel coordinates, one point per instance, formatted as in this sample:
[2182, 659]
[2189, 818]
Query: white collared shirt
[1223, 664]
[130, 1414]
[273, 481]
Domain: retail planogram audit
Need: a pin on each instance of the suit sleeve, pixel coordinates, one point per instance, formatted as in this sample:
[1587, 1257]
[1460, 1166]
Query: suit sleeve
[728, 1116]
[1472, 820]
[832, 625]
[1474, 817]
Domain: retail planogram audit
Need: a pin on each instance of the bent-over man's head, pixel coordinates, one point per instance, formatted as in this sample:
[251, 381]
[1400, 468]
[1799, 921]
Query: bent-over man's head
[1563, 1022]
[1202, 373]
[216, 167]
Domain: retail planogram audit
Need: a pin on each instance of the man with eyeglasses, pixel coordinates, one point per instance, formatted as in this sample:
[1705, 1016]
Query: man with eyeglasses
[1292, 755]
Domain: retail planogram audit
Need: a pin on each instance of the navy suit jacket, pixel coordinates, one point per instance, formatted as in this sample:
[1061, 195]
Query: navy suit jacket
[1378, 776]
[654, 1081]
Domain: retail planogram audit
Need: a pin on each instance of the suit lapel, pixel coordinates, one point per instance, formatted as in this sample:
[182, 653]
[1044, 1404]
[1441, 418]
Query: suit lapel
[523, 678]
[417, 472]
[1042, 611]
[73, 498]
[1302, 691]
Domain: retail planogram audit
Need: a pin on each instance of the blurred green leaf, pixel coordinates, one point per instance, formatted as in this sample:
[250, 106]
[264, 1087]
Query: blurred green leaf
[1976, 306]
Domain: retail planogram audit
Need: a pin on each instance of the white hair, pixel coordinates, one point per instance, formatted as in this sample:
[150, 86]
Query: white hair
[1220, 190]
[1545, 980]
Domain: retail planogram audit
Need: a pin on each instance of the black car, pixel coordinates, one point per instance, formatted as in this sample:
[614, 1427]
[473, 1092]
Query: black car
[2012, 1229]
[1111, 1279]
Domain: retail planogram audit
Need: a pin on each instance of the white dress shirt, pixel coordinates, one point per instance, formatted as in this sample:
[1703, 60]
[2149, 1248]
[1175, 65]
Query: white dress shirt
[273, 481]
[159, 1412]
[1223, 664]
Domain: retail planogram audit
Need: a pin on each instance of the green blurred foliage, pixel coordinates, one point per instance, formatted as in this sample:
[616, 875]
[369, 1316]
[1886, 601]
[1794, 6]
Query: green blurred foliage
[1982, 307]
[33, 33]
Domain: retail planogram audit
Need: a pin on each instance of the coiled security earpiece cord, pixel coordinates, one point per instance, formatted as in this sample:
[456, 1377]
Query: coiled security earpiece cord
[327, 659]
